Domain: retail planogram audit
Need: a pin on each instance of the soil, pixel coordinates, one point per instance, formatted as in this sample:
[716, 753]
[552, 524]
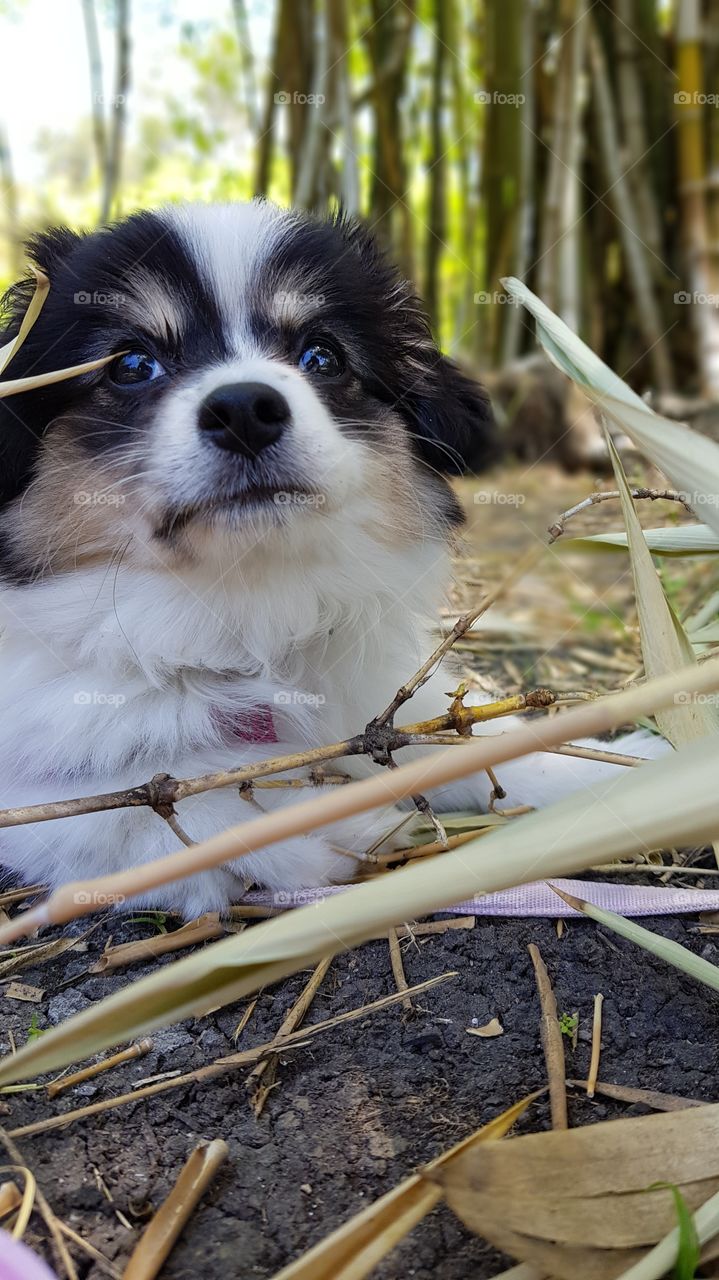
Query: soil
[367, 1103]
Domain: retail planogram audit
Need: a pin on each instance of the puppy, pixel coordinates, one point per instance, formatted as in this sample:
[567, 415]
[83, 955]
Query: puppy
[227, 543]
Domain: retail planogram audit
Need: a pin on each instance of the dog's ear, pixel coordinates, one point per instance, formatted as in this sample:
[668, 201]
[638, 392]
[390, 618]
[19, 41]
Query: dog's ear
[49, 249]
[451, 418]
[23, 418]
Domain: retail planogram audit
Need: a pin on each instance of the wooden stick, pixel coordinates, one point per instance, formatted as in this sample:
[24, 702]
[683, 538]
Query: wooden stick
[81, 898]
[551, 1042]
[138, 1050]
[604, 495]
[596, 1045]
[245, 1058]
[156, 1241]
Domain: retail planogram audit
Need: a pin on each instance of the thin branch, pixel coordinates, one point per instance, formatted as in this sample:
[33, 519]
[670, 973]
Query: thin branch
[605, 495]
[461, 626]
[162, 791]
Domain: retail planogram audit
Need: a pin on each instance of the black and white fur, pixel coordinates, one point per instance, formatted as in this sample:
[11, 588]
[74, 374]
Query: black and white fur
[156, 588]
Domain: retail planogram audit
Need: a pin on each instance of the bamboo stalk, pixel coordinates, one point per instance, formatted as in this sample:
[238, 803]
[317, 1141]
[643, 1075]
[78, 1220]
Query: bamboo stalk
[138, 1050]
[203, 929]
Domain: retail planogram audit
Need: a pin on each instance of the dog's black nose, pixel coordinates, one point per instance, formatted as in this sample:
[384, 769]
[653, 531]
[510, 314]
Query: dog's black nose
[244, 417]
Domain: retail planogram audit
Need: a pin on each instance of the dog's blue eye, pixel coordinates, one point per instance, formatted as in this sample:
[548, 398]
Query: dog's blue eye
[135, 367]
[322, 359]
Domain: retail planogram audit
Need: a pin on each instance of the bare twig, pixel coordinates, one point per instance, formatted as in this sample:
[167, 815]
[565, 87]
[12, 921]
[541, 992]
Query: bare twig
[461, 626]
[268, 1066]
[593, 753]
[77, 899]
[395, 956]
[162, 792]
[435, 847]
[233, 1061]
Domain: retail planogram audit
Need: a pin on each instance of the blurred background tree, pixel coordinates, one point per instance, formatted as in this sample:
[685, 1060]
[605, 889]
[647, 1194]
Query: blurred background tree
[573, 144]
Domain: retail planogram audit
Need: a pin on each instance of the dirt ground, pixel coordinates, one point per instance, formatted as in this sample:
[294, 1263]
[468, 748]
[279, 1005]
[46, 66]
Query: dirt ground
[365, 1104]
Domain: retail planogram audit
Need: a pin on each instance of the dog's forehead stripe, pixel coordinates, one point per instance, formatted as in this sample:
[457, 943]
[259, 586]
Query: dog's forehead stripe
[229, 245]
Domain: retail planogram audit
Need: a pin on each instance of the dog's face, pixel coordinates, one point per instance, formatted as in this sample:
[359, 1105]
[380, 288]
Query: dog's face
[270, 371]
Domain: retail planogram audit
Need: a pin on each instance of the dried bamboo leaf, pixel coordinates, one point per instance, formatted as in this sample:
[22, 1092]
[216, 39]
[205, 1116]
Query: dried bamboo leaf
[37, 302]
[354, 1249]
[582, 1201]
[15, 385]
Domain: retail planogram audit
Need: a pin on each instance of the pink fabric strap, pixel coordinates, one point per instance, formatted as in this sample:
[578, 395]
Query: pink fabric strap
[538, 899]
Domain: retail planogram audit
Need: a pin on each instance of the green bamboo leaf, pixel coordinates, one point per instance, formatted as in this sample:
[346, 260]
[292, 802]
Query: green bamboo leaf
[671, 952]
[665, 646]
[684, 540]
[688, 459]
